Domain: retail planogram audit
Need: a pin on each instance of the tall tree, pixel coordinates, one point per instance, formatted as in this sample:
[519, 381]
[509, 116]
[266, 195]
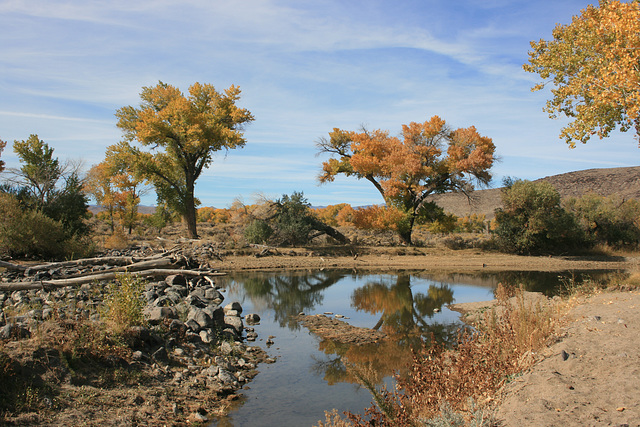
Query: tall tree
[116, 187]
[40, 171]
[180, 134]
[43, 184]
[594, 64]
[428, 158]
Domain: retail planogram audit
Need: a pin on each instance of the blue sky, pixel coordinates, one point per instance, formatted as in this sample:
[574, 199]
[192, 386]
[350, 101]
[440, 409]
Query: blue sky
[304, 67]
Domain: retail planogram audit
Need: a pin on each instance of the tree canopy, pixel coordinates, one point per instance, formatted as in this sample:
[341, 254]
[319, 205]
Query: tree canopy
[427, 158]
[594, 64]
[177, 137]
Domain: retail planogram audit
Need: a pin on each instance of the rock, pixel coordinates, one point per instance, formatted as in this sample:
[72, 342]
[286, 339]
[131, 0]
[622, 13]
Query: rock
[235, 323]
[226, 377]
[211, 371]
[233, 306]
[201, 317]
[252, 319]
[206, 336]
[565, 355]
[155, 315]
[13, 330]
[176, 279]
[192, 325]
[225, 348]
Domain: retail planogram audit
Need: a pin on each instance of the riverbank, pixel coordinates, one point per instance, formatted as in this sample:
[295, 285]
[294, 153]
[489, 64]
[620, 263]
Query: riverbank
[589, 376]
[166, 394]
[394, 258]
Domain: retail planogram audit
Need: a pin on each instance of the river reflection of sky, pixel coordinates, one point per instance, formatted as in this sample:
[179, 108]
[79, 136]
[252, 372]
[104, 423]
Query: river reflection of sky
[309, 377]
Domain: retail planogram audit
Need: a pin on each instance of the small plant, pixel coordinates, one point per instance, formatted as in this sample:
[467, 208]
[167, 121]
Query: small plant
[124, 304]
[258, 232]
[445, 383]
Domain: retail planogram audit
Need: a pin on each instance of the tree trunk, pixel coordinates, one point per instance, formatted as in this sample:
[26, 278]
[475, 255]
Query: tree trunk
[405, 234]
[190, 213]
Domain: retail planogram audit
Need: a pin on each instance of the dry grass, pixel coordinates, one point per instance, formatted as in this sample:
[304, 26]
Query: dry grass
[454, 386]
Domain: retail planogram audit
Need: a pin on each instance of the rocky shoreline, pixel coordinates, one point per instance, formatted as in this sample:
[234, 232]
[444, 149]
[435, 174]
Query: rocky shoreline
[190, 344]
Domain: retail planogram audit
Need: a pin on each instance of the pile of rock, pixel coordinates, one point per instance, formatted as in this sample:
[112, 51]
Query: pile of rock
[189, 338]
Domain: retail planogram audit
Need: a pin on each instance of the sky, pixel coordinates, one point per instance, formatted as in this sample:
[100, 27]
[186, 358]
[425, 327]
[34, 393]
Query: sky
[304, 67]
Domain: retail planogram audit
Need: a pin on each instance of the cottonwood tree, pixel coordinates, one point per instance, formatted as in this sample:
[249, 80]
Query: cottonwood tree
[427, 158]
[115, 186]
[178, 135]
[594, 65]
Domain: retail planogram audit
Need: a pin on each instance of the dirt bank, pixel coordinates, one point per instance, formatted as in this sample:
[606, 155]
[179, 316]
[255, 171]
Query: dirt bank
[589, 376]
[417, 258]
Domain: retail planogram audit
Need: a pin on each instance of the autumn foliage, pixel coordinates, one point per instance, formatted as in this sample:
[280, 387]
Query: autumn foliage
[593, 65]
[427, 158]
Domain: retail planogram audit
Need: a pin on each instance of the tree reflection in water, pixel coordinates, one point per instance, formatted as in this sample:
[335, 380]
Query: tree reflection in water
[292, 293]
[402, 319]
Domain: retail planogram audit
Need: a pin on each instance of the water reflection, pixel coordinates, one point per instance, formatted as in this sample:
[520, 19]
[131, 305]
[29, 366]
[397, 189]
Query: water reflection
[314, 374]
[292, 293]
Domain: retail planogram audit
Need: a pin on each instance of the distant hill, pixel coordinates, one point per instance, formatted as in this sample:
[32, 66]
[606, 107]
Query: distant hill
[624, 182]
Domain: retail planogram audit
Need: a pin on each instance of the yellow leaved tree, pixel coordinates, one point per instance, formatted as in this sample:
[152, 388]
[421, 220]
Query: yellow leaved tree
[427, 158]
[594, 65]
[178, 135]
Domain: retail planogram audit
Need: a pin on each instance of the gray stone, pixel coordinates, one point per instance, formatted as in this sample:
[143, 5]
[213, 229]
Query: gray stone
[211, 371]
[155, 315]
[252, 319]
[235, 322]
[200, 316]
[226, 377]
[225, 348]
[206, 336]
[176, 279]
[233, 306]
[192, 325]
[213, 294]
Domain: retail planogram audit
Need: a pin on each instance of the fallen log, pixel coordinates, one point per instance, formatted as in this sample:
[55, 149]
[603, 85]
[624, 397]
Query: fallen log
[138, 266]
[13, 267]
[111, 275]
[119, 261]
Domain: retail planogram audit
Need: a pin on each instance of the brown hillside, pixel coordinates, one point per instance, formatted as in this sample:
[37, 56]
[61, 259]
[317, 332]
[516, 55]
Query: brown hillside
[623, 182]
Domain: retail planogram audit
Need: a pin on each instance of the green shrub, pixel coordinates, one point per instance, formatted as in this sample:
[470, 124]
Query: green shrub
[124, 304]
[30, 233]
[532, 221]
[608, 220]
[258, 232]
[294, 220]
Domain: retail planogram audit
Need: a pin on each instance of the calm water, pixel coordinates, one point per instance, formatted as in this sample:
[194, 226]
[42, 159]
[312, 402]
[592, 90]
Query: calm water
[310, 375]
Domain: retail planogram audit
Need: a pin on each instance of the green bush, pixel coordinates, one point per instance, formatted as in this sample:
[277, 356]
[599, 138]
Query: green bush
[294, 220]
[608, 220]
[532, 221]
[30, 233]
[124, 304]
[258, 232]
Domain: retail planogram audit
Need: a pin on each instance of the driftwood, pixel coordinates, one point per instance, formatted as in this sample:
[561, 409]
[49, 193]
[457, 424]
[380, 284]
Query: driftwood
[75, 281]
[13, 267]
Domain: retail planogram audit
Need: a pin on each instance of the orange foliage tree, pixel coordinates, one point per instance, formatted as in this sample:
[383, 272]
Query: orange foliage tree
[181, 134]
[116, 187]
[594, 64]
[427, 158]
